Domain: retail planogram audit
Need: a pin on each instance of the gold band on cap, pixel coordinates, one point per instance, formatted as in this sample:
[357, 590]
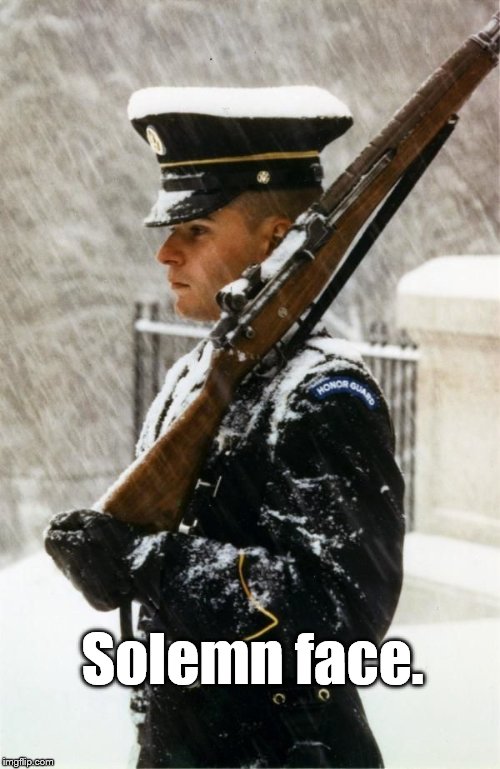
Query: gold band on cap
[245, 158]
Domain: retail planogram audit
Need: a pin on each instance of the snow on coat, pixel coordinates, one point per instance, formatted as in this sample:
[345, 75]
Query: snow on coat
[298, 509]
[297, 527]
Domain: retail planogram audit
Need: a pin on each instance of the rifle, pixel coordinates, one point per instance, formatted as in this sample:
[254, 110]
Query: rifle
[270, 299]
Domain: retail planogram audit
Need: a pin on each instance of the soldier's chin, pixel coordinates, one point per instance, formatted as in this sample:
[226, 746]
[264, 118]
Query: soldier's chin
[181, 310]
[192, 310]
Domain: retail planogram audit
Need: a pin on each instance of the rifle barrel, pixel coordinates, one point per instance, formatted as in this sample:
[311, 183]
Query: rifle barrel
[479, 54]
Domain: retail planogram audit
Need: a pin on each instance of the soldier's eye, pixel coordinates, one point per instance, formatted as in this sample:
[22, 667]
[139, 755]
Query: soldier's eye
[198, 229]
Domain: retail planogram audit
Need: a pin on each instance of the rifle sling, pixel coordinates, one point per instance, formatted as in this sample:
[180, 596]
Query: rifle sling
[126, 629]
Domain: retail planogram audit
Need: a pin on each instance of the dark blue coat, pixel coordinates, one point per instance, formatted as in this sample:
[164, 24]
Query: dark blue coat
[298, 527]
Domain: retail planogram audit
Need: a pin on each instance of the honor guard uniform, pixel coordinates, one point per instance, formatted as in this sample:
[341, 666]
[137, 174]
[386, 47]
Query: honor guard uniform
[296, 522]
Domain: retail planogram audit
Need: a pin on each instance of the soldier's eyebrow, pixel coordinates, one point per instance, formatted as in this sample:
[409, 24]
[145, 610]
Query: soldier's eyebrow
[207, 218]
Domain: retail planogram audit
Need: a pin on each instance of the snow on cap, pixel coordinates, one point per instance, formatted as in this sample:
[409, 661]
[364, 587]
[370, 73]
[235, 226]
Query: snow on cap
[214, 143]
[299, 101]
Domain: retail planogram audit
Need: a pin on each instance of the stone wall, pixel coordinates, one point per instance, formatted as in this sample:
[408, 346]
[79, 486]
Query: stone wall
[451, 307]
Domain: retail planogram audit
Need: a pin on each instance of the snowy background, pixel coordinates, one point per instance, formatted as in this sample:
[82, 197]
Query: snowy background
[76, 183]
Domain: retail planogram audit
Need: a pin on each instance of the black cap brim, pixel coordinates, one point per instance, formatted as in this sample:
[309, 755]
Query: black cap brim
[182, 206]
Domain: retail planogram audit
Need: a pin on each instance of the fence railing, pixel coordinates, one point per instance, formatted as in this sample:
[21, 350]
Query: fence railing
[158, 344]
[394, 366]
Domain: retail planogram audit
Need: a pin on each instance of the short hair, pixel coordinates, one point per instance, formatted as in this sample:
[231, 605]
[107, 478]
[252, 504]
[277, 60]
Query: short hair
[257, 205]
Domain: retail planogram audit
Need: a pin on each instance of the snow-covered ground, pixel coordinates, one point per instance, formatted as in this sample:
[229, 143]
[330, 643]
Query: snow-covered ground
[454, 720]
[47, 711]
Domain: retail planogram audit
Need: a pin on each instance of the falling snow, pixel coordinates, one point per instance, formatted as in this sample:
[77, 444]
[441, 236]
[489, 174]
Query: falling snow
[77, 183]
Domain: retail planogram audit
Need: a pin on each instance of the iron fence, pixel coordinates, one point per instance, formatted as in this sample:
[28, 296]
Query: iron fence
[158, 344]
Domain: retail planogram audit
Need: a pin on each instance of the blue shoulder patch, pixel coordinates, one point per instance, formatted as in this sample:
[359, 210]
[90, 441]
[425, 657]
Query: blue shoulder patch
[341, 384]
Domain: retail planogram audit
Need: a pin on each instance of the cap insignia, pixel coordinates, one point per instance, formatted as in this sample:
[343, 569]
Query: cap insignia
[154, 140]
[263, 177]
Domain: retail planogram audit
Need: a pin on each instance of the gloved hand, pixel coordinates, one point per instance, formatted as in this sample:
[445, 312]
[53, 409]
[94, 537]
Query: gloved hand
[90, 549]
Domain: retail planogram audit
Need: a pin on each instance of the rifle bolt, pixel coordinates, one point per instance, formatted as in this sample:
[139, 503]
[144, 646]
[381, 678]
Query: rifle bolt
[249, 332]
[282, 312]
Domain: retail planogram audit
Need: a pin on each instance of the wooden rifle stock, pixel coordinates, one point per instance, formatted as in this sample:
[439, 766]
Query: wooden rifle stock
[154, 491]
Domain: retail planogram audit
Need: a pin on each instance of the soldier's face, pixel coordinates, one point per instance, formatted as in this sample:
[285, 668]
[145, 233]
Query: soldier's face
[202, 255]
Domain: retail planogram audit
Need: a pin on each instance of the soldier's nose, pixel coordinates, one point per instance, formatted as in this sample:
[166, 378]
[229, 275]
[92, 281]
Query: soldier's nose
[171, 251]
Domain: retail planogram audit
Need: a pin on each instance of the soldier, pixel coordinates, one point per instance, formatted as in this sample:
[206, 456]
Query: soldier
[296, 523]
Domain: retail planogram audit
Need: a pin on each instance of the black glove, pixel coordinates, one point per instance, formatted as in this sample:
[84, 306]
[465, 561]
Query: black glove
[90, 549]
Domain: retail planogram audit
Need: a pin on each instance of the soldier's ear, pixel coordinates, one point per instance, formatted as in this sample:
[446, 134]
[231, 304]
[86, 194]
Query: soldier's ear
[277, 227]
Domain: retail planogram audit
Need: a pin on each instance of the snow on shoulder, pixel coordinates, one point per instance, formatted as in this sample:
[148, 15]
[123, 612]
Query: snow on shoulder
[298, 101]
[339, 348]
[322, 355]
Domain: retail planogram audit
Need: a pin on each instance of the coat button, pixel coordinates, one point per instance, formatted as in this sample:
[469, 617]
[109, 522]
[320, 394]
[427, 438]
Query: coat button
[323, 695]
[279, 698]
